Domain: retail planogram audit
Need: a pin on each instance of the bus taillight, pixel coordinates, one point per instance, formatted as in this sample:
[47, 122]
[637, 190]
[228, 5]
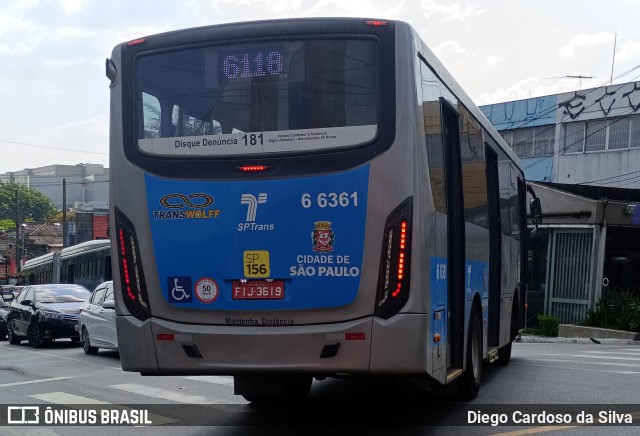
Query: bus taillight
[393, 284]
[376, 23]
[401, 259]
[134, 289]
[252, 168]
[137, 41]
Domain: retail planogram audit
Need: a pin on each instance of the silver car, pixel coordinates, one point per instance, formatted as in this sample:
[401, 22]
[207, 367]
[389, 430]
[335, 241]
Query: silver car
[97, 320]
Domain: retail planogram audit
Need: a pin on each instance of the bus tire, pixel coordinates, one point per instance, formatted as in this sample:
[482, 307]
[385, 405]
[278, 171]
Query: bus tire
[469, 382]
[504, 353]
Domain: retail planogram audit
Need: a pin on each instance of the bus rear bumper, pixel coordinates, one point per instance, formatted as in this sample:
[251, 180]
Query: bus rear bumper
[189, 349]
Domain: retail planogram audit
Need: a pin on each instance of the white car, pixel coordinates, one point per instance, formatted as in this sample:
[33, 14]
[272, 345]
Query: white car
[97, 321]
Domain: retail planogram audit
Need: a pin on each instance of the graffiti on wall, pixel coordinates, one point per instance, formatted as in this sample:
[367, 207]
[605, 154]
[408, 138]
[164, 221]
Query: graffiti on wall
[613, 100]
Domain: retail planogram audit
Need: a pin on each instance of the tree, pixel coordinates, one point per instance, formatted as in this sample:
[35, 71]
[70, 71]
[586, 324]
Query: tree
[19, 204]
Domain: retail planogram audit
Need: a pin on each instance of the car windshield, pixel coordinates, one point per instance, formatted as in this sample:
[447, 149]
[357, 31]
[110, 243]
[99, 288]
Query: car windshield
[62, 295]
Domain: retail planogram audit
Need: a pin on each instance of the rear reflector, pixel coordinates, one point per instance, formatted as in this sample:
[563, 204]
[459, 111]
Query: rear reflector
[165, 337]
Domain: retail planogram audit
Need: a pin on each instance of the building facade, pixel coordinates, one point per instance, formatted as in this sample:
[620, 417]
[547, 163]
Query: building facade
[85, 186]
[82, 188]
[583, 151]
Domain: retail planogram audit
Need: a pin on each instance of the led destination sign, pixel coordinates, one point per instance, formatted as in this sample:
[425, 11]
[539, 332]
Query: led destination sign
[254, 64]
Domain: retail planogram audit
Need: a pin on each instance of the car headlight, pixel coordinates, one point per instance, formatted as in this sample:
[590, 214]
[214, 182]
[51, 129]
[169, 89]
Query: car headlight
[52, 315]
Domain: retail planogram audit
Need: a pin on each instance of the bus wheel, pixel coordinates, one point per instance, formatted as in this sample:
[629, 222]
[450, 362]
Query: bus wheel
[469, 382]
[504, 353]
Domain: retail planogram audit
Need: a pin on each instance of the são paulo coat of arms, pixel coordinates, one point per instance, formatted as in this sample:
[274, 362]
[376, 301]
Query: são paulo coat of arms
[322, 237]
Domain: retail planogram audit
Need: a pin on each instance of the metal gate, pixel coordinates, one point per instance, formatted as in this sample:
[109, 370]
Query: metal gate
[570, 266]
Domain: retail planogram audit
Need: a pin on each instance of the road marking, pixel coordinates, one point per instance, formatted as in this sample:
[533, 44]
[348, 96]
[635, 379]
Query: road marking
[219, 380]
[629, 365]
[614, 352]
[64, 398]
[28, 382]
[593, 357]
[164, 394]
[534, 430]
[56, 356]
[17, 431]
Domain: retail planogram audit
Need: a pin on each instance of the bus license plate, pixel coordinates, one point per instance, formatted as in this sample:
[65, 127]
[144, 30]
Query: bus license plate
[258, 290]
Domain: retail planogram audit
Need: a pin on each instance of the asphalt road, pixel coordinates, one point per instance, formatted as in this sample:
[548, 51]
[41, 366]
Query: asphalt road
[556, 379]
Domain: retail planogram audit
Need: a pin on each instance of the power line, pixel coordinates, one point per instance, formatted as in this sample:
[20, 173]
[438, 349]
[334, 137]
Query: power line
[53, 148]
[609, 178]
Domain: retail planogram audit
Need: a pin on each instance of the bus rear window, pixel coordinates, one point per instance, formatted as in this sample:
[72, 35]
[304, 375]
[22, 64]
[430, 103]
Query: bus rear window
[256, 98]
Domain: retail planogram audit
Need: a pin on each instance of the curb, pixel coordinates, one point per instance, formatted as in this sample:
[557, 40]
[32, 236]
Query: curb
[562, 340]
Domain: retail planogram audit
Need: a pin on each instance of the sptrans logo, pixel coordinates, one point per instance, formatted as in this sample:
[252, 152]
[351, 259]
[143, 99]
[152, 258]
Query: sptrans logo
[181, 206]
[252, 203]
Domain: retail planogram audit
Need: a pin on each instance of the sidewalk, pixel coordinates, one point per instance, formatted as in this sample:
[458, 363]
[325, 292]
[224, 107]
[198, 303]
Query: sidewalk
[577, 334]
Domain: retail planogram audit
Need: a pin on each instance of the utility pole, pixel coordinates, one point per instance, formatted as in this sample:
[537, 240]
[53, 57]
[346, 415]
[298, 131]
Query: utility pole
[17, 217]
[615, 40]
[64, 213]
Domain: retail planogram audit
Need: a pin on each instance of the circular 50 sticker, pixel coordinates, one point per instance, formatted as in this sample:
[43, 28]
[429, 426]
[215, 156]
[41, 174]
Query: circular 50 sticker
[207, 290]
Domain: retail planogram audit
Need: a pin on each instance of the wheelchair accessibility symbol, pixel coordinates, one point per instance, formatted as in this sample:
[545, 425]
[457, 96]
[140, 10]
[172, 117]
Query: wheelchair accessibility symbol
[179, 290]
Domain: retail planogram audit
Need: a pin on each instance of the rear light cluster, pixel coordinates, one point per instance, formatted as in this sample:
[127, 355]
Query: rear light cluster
[134, 289]
[395, 265]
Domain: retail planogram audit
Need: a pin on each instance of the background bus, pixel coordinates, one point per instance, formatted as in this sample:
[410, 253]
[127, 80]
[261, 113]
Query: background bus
[304, 198]
[87, 264]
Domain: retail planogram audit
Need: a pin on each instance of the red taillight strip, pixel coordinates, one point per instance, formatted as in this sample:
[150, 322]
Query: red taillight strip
[136, 41]
[376, 23]
[125, 264]
[401, 256]
[253, 168]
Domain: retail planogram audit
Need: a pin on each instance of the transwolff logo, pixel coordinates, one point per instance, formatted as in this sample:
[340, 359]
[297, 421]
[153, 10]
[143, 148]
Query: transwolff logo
[183, 207]
[252, 202]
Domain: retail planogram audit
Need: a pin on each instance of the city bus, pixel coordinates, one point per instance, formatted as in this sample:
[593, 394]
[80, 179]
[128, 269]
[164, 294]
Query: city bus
[87, 264]
[305, 198]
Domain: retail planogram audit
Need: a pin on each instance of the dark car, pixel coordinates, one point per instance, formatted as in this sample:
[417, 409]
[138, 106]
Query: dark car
[4, 311]
[43, 313]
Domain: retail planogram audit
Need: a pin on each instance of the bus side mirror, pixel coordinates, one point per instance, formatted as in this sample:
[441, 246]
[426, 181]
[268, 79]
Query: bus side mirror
[535, 210]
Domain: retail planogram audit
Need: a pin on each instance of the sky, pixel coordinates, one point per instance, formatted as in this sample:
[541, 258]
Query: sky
[54, 96]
